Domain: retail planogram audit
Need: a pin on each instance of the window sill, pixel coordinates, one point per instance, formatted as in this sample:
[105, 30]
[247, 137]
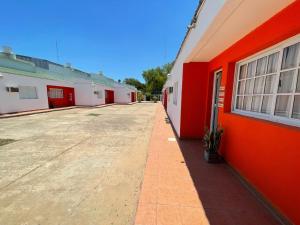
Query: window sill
[274, 119]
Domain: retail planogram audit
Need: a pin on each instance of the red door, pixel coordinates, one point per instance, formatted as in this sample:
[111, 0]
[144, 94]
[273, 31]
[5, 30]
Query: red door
[59, 96]
[133, 98]
[165, 99]
[109, 96]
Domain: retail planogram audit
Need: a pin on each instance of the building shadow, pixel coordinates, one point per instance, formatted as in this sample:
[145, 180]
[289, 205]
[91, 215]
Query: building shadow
[223, 196]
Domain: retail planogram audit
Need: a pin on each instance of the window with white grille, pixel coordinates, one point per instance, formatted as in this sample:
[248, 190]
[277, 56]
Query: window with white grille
[268, 85]
[55, 93]
[27, 92]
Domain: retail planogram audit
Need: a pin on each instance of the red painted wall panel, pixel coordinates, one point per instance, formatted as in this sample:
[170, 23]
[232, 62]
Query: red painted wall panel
[267, 154]
[67, 100]
[193, 100]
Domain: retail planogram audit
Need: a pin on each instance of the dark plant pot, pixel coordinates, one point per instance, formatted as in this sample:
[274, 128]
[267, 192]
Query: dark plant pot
[212, 157]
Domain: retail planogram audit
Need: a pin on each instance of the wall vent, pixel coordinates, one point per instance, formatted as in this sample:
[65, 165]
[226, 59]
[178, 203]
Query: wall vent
[12, 89]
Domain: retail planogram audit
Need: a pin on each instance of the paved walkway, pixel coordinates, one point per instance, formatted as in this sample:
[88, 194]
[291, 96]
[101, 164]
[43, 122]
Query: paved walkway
[179, 188]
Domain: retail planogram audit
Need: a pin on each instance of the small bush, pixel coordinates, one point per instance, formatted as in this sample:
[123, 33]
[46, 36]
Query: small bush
[154, 98]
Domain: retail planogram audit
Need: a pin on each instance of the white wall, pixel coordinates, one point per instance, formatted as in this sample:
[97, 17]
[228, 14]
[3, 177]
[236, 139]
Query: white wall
[101, 89]
[11, 102]
[207, 14]
[123, 95]
[84, 93]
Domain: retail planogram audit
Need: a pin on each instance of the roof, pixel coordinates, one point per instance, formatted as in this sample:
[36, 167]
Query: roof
[45, 69]
[193, 21]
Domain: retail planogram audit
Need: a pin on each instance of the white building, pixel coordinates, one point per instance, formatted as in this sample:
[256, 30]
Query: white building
[28, 83]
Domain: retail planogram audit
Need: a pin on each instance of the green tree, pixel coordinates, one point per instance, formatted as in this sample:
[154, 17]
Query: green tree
[136, 83]
[156, 77]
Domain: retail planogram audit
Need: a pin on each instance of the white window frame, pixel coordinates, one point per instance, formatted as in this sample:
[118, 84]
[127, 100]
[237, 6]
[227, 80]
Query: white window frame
[175, 93]
[270, 117]
[100, 94]
[26, 97]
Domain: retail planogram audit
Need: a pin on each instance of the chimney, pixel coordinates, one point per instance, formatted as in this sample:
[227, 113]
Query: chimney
[68, 65]
[7, 50]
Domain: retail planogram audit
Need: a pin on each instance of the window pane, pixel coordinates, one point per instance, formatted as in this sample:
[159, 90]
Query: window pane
[241, 87]
[266, 104]
[256, 103]
[286, 82]
[261, 66]
[258, 85]
[243, 72]
[247, 103]
[239, 102]
[273, 62]
[289, 57]
[56, 93]
[249, 86]
[27, 92]
[175, 93]
[296, 108]
[283, 104]
[298, 82]
[251, 69]
[270, 84]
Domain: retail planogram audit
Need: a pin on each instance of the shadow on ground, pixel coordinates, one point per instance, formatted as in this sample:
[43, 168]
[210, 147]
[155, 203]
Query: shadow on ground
[224, 198]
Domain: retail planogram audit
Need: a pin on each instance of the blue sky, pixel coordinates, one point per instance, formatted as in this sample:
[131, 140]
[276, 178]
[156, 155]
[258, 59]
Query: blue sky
[120, 38]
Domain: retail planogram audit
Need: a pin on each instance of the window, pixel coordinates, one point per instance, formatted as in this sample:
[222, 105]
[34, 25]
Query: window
[268, 85]
[175, 94]
[55, 93]
[27, 92]
[99, 94]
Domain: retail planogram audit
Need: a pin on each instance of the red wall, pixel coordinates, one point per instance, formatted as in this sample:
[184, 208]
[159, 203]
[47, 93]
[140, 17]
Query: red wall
[267, 154]
[67, 100]
[193, 100]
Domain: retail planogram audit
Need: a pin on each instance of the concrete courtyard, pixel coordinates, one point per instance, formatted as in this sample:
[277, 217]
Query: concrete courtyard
[78, 166]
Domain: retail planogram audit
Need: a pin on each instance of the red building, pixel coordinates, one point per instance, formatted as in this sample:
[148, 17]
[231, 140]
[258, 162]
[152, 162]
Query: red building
[239, 68]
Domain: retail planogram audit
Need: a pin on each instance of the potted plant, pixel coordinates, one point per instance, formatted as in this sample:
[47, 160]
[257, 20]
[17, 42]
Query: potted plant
[212, 140]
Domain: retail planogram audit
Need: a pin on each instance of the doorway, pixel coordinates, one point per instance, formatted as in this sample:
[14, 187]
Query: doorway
[215, 101]
[133, 98]
[59, 96]
[109, 97]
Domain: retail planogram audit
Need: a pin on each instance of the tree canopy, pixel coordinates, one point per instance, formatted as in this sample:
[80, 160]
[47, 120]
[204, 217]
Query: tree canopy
[156, 77]
[136, 83]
